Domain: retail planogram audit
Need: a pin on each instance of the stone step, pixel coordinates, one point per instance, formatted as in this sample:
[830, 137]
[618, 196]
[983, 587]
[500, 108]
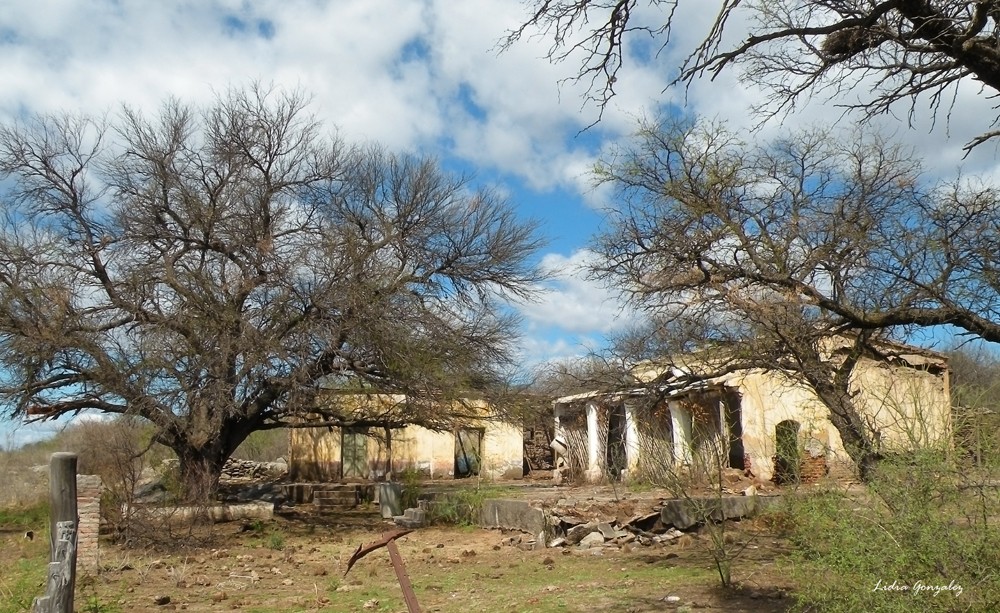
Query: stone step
[340, 498]
[300, 493]
[411, 518]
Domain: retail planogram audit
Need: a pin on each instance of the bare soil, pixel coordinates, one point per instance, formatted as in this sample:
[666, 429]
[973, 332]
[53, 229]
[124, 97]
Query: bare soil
[296, 562]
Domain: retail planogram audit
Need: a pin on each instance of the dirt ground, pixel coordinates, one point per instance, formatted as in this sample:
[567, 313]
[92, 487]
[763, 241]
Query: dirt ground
[296, 562]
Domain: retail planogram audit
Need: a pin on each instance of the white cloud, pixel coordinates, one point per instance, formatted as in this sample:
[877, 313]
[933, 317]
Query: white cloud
[386, 71]
[16, 433]
[422, 76]
[574, 303]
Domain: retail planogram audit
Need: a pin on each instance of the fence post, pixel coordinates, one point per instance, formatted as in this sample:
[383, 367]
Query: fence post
[63, 522]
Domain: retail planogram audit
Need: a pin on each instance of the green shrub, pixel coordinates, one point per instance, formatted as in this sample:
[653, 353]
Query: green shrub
[94, 605]
[462, 507]
[276, 541]
[922, 524]
[410, 480]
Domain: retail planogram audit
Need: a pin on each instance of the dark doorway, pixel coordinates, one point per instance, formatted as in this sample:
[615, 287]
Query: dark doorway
[734, 428]
[468, 452]
[786, 458]
[615, 458]
[354, 453]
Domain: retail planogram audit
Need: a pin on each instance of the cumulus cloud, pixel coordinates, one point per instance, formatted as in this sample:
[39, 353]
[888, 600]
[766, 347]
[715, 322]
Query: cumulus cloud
[419, 76]
[574, 303]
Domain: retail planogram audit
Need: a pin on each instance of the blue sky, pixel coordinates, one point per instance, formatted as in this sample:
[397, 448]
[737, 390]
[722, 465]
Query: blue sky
[422, 76]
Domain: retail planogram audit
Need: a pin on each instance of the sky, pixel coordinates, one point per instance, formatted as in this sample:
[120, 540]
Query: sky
[421, 76]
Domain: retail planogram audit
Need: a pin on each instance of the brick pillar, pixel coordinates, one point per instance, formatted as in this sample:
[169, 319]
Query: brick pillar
[88, 504]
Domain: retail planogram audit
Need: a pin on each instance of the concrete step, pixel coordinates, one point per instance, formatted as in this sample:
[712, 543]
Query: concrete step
[343, 498]
[300, 493]
[411, 518]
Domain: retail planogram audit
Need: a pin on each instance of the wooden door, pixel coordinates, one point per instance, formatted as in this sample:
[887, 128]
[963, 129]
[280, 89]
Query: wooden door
[354, 453]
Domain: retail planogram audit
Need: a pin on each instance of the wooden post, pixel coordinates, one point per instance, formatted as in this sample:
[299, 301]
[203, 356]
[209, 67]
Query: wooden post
[63, 521]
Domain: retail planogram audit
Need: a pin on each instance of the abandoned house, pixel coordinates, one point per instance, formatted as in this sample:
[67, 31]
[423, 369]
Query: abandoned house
[473, 446]
[760, 421]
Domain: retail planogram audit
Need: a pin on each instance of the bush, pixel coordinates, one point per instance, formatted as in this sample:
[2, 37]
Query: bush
[264, 446]
[410, 480]
[920, 538]
[116, 450]
[462, 507]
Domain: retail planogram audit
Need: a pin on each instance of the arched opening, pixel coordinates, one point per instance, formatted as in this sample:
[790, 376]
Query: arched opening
[787, 459]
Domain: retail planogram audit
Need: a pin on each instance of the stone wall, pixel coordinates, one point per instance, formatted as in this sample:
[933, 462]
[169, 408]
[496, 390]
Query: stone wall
[88, 508]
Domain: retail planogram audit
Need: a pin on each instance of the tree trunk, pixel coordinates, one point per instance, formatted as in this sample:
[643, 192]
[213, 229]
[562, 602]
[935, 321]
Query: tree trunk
[858, 445]
[832, 384]
[201, 465]
[200, 470]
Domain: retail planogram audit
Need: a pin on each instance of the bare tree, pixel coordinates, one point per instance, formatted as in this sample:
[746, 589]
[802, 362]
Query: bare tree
[901, 50]
[803, 255]
[215, 271]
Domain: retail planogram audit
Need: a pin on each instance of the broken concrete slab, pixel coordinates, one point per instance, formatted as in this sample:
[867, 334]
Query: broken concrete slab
[215, 513]
[594, 539]
[689, 512]
[606, 530]
[512, 515]
[575, 534]
[411, 518]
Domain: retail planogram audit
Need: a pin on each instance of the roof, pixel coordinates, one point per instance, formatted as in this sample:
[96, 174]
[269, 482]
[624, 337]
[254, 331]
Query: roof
[664, 391]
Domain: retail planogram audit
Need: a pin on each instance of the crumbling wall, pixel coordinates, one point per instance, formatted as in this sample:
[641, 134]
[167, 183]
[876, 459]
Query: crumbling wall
[907, 407]
[314, 454]
[432, 454]
[769, 398]
[656, 442]
[537, 450]
[573, 429]
[502, 451]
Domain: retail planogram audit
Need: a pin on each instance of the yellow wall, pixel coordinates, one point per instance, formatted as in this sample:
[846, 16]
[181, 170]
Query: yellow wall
[909, 407]
[907, 404]
[315, 453]
[770, 398]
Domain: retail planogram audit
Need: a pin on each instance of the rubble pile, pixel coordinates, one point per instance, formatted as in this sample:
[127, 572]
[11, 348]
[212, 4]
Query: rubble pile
[625, 522]
[645, 529]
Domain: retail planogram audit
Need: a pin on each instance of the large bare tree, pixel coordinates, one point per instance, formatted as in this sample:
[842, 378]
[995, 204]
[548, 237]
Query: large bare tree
[898, 50]
[770, 255]
[215, 270]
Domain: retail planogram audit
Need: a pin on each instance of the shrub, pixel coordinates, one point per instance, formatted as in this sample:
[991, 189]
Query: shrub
[276, 541]
[462, 507]
[410, 480]
[922, 524]
[263, 446]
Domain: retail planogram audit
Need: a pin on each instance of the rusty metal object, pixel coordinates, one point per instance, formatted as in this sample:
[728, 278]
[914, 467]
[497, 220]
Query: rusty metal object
[388, 541]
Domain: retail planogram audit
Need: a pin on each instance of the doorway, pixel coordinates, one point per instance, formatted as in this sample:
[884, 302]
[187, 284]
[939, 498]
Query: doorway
[354, 453]
[787, 458]
[615, 457]
[468, 452]
[734, 428]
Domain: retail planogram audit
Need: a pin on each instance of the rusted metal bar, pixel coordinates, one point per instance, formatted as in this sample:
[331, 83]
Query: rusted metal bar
[388, 541]
[404, 579]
